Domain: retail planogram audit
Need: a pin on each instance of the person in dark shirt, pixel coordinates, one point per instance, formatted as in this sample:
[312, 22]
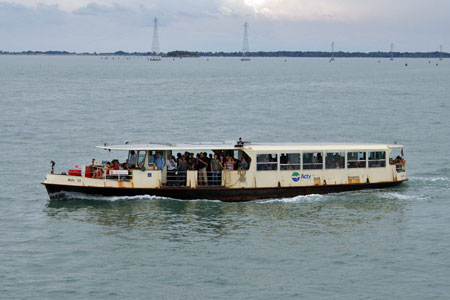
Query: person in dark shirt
[182, 168]
[202, 164]
[215, 168]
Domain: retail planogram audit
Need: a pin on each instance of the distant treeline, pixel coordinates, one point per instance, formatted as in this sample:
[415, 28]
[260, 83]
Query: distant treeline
[182, 53]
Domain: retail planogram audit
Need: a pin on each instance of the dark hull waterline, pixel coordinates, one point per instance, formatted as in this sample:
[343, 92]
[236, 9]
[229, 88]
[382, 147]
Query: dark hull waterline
[214, 193]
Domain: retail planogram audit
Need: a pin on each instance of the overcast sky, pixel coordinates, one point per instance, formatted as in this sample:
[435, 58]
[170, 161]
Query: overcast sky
[217, 25]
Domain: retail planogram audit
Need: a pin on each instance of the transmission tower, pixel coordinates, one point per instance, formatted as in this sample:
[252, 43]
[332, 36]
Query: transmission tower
[245, 44]
[155, 43]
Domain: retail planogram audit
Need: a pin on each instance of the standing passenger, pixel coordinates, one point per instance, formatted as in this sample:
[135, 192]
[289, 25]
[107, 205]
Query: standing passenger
[159, 162]
[171, 168]
[181, 170]
[202, 164]
[215, 169]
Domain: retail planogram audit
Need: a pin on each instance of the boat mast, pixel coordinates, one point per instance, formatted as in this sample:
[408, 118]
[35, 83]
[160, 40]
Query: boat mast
[440, 52]
[245, 44]
[155, 42]
[392, 51]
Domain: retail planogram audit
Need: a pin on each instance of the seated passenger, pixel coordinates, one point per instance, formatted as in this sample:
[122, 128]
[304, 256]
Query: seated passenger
[319, 158]
[115, 165]
[243, 165]
[98, 173]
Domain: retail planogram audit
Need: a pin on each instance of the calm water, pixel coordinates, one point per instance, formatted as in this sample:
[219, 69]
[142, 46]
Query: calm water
[379, 244]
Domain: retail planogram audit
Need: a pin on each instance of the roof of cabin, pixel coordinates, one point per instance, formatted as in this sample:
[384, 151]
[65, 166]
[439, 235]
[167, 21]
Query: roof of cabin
[253, 146]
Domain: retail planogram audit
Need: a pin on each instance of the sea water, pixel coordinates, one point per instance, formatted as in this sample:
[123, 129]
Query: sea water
[375, 244]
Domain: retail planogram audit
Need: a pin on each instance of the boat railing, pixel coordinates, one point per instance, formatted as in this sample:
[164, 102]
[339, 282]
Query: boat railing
[400, 164]
[104, 173]
[176, 178]
[209, 178]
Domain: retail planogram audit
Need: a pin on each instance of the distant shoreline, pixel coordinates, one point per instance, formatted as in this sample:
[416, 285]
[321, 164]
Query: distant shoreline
[186, 54]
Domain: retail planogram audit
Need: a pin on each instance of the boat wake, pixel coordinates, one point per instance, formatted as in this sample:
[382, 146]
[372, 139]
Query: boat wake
[430, 179]
[297, 199]
[68, 196]
[400, 196]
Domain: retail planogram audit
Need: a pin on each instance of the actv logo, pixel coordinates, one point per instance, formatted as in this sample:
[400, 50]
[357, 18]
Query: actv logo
[296, 176]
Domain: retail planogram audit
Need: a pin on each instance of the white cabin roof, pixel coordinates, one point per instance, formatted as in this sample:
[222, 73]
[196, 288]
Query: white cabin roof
[259, 147]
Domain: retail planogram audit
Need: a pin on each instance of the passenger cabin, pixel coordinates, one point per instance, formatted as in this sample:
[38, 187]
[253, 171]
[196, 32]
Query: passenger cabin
[269, 165]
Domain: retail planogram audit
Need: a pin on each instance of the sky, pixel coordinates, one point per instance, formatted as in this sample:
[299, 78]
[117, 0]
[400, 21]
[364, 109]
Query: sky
[217, 25]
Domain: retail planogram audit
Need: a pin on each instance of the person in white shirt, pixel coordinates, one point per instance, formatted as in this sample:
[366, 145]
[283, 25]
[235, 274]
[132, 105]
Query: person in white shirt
[171, 169]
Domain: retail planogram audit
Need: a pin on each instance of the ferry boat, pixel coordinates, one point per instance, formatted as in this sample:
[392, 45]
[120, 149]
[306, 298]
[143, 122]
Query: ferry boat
[234, 171]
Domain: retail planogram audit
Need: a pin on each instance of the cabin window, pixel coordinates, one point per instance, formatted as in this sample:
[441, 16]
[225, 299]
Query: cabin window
[151, 157]
[356, 160]
[312, 160]
[335, 160]
[266, 162]
[141, 157]
[290, 161]
[377, 159]
[132, 159]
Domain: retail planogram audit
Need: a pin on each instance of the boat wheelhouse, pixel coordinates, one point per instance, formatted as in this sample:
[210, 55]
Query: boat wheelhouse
[231, 171]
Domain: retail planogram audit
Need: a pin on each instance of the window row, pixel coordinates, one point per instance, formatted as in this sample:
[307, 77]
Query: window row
[317, 160]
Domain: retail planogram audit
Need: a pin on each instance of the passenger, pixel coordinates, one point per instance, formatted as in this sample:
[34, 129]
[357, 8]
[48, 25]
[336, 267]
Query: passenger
[243, 164]
[90, 169]
[272, 165]
[98, 174]
[116, 165]
[171, 168]
[398, 160]
[197, 157]
[230, 164]
[336, 164]
[208, 165]
[159, 162]
[132, 160]
[109, 168]
[222, 163]
[202, 164]
[284, 162]
[215, 169]
[182, 168]
[319, 158]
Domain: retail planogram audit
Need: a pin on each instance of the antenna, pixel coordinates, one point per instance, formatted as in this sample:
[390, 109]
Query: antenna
[245, 44]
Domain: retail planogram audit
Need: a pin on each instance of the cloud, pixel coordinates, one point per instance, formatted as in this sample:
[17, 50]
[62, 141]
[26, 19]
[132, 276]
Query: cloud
[216, 25]
[16, 15]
